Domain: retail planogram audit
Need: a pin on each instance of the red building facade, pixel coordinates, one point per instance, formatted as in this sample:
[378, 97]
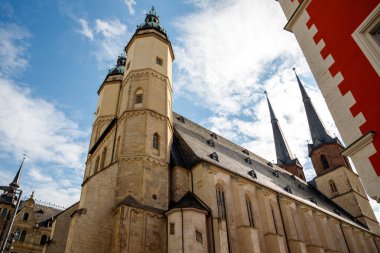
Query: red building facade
[341, 42]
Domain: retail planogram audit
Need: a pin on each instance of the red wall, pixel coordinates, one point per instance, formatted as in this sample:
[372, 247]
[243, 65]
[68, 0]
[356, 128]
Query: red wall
[336, 20]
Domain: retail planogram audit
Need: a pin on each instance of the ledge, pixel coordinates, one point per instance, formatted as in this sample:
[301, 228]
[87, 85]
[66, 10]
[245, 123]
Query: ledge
[359, 144]
[296, 14]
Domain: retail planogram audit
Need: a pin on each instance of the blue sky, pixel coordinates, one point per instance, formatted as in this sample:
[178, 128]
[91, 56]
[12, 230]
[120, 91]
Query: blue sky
[54, 55]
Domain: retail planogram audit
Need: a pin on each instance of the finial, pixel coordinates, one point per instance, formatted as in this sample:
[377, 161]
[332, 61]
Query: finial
[32, 195]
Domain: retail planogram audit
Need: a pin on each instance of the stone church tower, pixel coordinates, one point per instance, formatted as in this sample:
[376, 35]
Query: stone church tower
[126, 183]
[335, 177]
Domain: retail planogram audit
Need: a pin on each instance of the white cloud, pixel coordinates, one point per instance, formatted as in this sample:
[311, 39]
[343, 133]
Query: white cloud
[131, 6]
[110, 29]
[49, 187]
[12, 48]
[221, 54]
[85, 30]
[38, 128]
[110, 41]
[203, 4]
[108, 38]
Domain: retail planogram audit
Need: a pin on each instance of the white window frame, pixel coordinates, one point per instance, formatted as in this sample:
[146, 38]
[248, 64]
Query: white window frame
[367, 41]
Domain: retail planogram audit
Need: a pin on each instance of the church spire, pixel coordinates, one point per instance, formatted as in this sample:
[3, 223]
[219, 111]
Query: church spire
[16, 181]
[284, 156]
[318, 132]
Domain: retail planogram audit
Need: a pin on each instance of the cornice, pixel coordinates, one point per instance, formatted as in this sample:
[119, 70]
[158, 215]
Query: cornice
[296, 14]
[359, 144]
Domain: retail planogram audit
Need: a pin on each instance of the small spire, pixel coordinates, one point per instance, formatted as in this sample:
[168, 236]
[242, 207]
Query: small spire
[271, 112]
[303, 91]
[32, 195]
[16, 181]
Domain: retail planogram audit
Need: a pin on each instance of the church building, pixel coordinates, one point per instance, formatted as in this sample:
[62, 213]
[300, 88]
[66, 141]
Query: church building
[157, 182]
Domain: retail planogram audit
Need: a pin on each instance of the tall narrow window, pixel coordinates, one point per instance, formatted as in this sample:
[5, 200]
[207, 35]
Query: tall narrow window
[25, 217]
[249, 212]
[172, 228]
[43, 240]
[103, 160]
[198, 236]
[139, 96]
[324, 161]
[97, 165]
[274, 220]
[23, 236]
[4, 213]
[333, 186]
[220, 201]
[159, 61]
[117, 146]
[156, 141]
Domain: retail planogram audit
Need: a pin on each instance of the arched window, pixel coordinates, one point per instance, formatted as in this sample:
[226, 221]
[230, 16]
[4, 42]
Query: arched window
[249, 211]
[324, 162]
[103, 160]
[139, 96]
[117, 146]
[156, 141]
[97, 165]
[220, 201]
[43, 240]
[333, 186]
[25, 217]
[23, 236]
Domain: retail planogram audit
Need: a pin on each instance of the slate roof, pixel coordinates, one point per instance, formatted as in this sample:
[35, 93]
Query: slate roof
[190, 200]
[190, 147]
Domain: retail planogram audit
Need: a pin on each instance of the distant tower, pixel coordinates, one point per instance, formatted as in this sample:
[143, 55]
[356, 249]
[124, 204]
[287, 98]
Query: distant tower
[8, 202]
[126, 184]
[335, 177]
[284, 156]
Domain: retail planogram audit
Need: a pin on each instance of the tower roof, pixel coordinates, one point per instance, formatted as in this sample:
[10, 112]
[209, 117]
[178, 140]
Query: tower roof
[283, 153]
[318, 131]
[16, 181]
[119, 69]
[151, 21]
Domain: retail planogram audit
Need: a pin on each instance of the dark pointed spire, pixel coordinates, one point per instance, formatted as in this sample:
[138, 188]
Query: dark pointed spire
[16, 181]
[318, 131]
[283, 153]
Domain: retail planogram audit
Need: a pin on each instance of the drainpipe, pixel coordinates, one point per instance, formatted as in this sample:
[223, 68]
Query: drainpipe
[183, 236]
